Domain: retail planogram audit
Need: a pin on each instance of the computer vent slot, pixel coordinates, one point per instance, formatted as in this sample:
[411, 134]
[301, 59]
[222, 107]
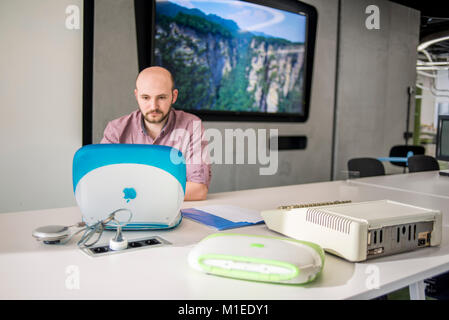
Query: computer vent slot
[328, 220]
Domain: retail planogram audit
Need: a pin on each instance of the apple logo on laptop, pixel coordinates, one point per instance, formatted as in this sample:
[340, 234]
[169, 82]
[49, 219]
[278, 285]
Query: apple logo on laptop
[130, 193]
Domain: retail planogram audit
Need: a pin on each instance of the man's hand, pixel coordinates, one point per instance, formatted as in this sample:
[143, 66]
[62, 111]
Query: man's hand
[195, 191]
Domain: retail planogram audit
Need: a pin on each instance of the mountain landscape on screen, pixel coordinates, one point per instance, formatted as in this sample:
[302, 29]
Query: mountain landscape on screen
[219, 66]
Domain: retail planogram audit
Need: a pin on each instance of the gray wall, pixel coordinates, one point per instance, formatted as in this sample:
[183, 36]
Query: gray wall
[115, 62]
[40, 103]
[375, 68]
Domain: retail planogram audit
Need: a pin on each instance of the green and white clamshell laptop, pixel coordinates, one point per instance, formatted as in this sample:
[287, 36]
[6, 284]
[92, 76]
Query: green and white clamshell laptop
[258, 258]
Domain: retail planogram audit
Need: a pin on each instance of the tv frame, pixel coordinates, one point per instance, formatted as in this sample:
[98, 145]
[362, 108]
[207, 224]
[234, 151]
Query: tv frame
[88, 60]
[438, 154]
[145, 45]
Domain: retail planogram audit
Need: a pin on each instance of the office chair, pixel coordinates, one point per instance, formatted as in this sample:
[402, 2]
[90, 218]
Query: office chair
[422, 163]
[402, 150]
[368, 167]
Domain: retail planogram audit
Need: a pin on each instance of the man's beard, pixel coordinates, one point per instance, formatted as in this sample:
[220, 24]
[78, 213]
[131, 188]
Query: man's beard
[151, 119]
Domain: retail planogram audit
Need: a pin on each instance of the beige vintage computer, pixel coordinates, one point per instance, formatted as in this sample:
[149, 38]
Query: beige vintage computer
[359, 231]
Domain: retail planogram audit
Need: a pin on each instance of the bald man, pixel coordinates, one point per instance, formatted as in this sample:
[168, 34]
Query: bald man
[157, 122]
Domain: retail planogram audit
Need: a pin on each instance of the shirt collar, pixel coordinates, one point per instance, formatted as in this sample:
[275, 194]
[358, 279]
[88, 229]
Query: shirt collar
[167, 126]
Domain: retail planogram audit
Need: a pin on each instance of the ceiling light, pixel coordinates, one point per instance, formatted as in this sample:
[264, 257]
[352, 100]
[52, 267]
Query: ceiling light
[431, 68]
[436, 63]
[426, 44]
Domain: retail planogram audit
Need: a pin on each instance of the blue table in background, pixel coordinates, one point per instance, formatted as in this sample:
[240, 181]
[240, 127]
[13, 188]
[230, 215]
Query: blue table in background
[397, 159]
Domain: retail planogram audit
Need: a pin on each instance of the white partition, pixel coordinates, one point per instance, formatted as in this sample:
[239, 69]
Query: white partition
[41, 52]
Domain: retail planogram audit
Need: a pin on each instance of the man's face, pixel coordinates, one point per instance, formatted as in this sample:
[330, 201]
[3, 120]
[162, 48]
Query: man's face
[155, 96]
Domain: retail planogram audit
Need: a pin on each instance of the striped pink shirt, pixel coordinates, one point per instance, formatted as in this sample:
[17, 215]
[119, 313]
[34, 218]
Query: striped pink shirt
[183, 131]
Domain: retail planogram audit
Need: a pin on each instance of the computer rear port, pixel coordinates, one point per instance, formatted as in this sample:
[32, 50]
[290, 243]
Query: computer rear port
[423, 239]
[375, 251]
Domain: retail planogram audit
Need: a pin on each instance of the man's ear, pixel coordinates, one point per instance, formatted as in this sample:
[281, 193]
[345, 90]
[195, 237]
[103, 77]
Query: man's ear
[175, 95]
[135, 93]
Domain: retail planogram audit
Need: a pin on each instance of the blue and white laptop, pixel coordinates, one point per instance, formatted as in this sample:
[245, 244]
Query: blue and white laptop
[148, 180]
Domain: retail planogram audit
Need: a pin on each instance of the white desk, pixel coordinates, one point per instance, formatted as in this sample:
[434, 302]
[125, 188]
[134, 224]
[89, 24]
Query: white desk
[428, 183]
[32, 270]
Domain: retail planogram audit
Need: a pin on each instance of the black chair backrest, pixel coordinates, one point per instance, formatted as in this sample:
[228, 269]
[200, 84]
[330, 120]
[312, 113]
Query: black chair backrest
[422, 163]
[402, 150]
[368, 167]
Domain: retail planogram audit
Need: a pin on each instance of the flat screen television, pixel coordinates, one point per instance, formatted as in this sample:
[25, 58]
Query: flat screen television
[234, 60]
[442, 147]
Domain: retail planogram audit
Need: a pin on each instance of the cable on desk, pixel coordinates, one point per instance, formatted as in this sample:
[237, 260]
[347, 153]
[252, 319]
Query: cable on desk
[96, 228]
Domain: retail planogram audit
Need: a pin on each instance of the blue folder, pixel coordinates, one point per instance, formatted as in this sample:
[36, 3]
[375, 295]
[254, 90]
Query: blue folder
[213, 220]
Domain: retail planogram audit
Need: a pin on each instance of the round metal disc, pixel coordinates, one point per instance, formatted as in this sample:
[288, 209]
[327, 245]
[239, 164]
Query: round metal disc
[51, 233]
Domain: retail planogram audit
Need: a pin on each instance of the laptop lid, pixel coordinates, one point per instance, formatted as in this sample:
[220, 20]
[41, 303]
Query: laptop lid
[147, 180]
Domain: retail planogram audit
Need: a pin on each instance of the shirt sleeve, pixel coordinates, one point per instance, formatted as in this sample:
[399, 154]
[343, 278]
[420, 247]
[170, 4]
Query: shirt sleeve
[110, 134]
[198, 164]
